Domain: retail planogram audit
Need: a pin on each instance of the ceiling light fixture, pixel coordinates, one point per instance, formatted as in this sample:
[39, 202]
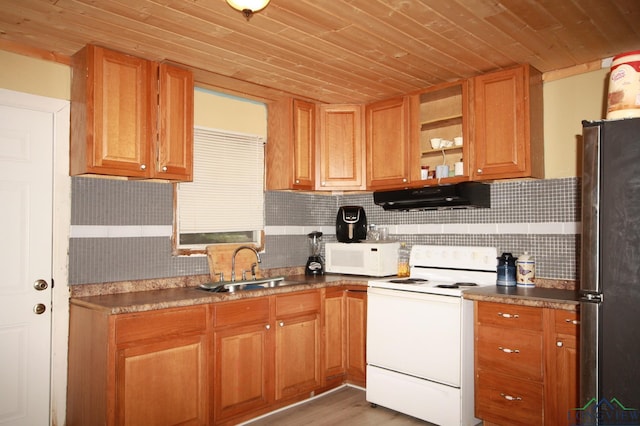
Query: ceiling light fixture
[248, 7]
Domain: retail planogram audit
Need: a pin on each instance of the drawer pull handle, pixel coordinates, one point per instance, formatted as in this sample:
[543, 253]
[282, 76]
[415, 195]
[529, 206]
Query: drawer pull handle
[570, 321]
[500, 314]
[509, 351]
[511, 398]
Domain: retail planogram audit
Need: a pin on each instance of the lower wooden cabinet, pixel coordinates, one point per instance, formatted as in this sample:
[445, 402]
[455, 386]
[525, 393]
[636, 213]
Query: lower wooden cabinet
[138, 368]
[297, 344]
[220, 363]
[267, 352]
[526, 363]
[243, 360]
[334, 317]
[562, 368]
[345, 334]
[356, 338]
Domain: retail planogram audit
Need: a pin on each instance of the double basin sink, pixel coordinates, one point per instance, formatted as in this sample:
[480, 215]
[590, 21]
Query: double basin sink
[244, 285]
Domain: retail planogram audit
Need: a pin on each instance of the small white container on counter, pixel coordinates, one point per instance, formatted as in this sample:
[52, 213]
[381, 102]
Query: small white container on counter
[525, 271]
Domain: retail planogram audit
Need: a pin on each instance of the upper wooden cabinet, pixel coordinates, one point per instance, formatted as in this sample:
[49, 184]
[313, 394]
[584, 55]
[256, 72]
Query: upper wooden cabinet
[491, 127]
[174, 144]
[130, 117]
[388, 148]
[290, 153]
[341, 148]
[508, 134]
[441, 113]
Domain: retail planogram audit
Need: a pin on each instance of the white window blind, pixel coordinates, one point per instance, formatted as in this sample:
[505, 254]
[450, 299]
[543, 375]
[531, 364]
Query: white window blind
[226, 194]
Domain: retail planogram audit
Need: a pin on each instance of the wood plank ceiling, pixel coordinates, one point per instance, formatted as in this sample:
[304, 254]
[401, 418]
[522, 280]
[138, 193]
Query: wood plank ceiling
[333, 51]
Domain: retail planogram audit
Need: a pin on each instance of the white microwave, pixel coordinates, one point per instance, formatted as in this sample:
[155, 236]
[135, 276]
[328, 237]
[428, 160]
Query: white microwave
[375, 259]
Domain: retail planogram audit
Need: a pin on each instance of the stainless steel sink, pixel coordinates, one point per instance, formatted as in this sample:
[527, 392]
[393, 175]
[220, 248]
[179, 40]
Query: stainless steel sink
[244, 285]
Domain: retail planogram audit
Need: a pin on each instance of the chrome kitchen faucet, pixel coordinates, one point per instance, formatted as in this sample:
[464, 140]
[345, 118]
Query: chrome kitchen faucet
[233, 262]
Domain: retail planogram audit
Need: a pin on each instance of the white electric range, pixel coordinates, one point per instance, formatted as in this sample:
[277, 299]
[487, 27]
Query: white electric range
[420, 334]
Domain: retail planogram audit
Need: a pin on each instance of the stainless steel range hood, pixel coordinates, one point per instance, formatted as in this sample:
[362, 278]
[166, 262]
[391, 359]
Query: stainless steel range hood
[463, 195]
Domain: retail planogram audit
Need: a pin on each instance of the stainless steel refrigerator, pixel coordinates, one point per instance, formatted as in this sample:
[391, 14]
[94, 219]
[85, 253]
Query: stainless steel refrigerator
[610, 273]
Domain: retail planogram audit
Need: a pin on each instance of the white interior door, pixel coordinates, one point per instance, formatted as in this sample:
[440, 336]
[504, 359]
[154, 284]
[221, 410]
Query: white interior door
[26, 187]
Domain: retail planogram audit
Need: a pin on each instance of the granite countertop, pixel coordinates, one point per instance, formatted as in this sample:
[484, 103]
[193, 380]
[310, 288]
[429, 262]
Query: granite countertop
[536, 296]
[150, 295]
[140, 301]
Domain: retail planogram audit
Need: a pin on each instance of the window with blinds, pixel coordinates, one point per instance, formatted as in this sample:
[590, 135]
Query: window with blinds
[225, 201]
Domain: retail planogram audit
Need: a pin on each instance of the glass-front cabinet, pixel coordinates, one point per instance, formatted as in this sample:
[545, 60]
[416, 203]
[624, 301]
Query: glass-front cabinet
[440, 116]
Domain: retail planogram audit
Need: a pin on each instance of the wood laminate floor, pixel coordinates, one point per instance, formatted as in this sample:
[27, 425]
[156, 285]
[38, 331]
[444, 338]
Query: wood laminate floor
[345, 406]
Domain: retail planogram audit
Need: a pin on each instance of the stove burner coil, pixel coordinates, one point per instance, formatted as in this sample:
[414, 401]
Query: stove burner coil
[457, 285]
[408, 280]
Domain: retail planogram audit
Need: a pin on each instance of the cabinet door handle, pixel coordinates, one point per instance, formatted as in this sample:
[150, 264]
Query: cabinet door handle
[143, 167]
[297, 181]
[404, 180]
[570, 321]
[164, 168]
[281, 324]
[559, 344]
[268, 326]
[479, 171]
[511, 398]
[500, 314]
[509, 351]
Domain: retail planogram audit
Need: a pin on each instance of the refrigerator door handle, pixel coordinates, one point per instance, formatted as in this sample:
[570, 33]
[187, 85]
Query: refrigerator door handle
[591, 297]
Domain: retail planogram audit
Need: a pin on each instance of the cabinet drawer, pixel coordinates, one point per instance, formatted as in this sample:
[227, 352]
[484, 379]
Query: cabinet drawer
[516, 352]
[161, 323]
[567, 322]
[506, 400]
[296, 303]
[242, 312]
[506, 315]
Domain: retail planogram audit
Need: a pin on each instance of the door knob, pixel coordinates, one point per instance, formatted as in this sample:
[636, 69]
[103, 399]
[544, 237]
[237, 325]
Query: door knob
[40, 285]
[39, 309]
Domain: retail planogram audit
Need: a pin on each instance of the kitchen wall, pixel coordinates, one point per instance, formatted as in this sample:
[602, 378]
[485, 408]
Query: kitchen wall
[538, 216]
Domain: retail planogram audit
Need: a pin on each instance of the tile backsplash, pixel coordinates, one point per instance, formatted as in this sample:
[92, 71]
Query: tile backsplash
[120, 230]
